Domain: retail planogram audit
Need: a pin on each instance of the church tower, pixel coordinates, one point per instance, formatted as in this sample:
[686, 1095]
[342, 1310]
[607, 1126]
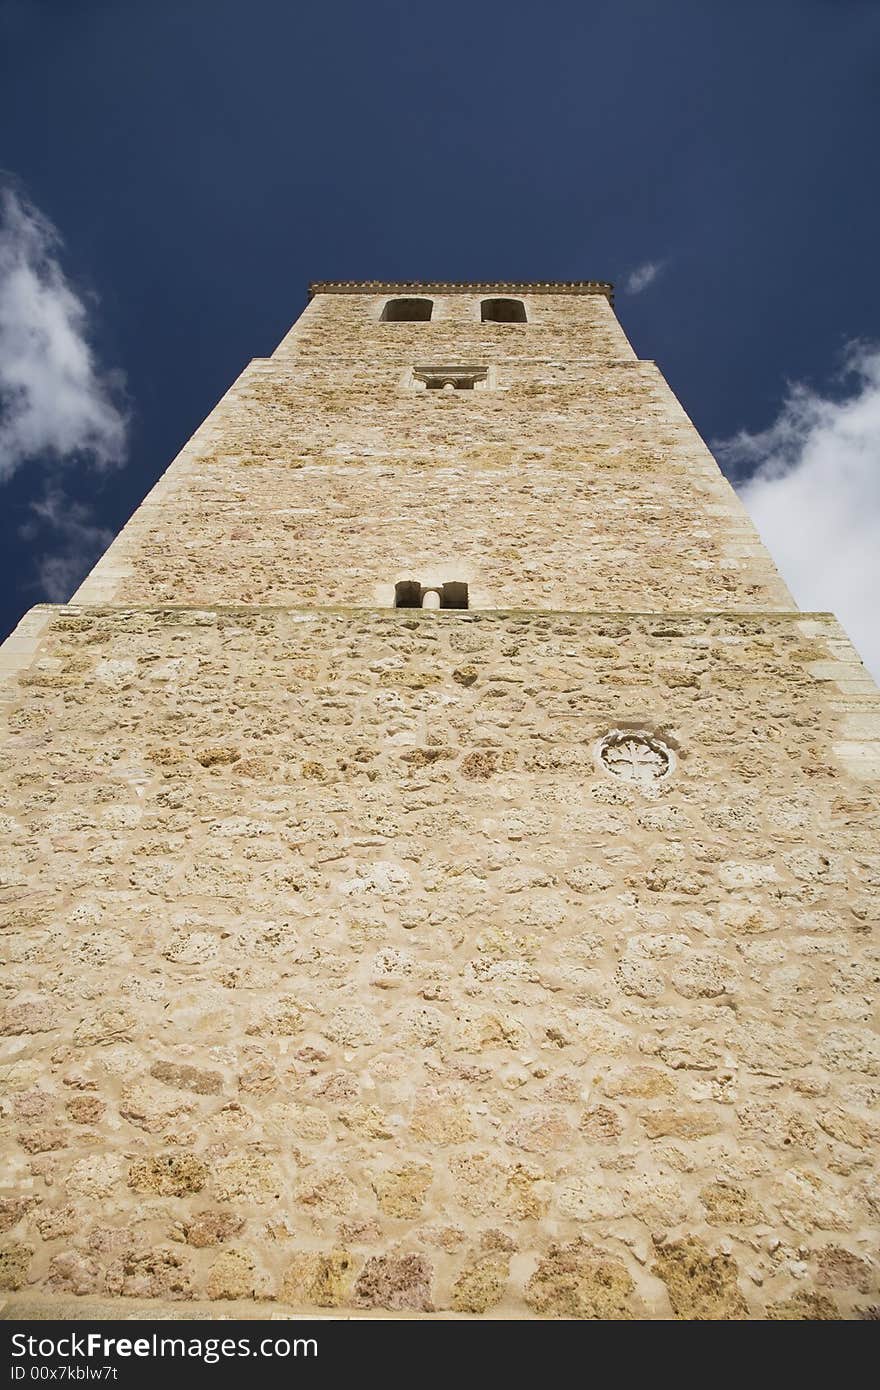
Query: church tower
[441, 868]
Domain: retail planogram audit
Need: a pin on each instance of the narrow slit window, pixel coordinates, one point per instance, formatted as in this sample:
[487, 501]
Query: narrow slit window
[503, 311]
[407, 311]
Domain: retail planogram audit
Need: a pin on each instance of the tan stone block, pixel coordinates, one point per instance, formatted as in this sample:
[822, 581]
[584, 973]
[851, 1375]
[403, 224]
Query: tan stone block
[700, 1285]
[322, 1280]
[577, 1281]
[401, 1191]
[481, 1284]
[168, 1175]
[232, 1275]
[15, 1260]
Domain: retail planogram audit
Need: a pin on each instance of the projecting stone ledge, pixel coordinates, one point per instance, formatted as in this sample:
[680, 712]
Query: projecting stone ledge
[66, 1309]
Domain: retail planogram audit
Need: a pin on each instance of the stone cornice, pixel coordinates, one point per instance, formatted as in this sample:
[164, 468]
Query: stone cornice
[463, 287]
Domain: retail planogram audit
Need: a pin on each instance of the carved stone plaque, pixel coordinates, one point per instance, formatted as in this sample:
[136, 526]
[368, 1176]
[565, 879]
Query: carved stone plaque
[636, 757]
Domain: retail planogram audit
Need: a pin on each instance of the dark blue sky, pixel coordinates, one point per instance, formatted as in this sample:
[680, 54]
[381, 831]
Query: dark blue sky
[204, 159]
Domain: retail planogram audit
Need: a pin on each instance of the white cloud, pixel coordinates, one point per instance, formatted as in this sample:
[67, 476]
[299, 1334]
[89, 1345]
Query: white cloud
[73, 544]
[643, 275]
[57, 407]
[55, 402]
[814, 495]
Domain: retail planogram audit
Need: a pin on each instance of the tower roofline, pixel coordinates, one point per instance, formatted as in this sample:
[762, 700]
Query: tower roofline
[463, 287]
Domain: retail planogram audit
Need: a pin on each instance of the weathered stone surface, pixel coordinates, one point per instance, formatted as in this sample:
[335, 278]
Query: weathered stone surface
[71, 1271]
[212, 1228]
[97, 1176]
[437, 1119]
[154, 1107]
[841, 1269]
[168, 1175]
[601, 1122]
[248, 1176]
[185, 1078]
[12, 1209]
[328, 1193]
[805, 1306]
[212, 757]
[730, 1204]
[481, 1284]
[396, 1282]
[700, 1285]
[576, 1281]
[643, 1083]
[158, 1273]
[401, 1191]
[319, 1280]
[232, 1275]
[15, 1259]
[37, 1139]
[683, 1124]
[85, 1110]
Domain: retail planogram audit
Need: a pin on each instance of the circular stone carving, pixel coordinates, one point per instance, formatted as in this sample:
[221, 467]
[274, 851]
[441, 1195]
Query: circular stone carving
[635, 756]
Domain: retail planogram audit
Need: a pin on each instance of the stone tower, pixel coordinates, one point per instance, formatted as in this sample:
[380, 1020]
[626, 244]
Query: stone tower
[440, 861]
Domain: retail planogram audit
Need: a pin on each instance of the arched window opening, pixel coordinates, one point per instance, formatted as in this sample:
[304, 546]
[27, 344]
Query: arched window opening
[407, 311]
[503, 311]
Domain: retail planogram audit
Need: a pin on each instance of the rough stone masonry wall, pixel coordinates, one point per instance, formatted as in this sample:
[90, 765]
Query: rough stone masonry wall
[341, 975]
[322, 478]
